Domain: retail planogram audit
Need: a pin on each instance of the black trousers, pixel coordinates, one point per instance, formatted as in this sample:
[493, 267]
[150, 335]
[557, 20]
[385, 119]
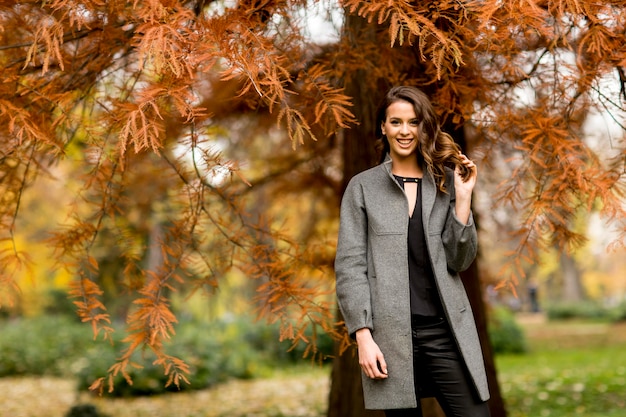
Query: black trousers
[440, 372]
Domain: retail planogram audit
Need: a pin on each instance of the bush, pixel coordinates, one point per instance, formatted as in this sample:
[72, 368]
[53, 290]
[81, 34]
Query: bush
[505, 334]
[58, 303]
[215, 351]
[266, 338]
[618, 313]
[43, 346]
[589, 310]
[84, 410]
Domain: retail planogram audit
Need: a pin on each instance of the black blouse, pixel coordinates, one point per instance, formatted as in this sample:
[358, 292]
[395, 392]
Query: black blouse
[425, 299]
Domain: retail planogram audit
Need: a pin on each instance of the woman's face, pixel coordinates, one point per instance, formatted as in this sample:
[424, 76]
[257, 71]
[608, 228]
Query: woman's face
[402, 130]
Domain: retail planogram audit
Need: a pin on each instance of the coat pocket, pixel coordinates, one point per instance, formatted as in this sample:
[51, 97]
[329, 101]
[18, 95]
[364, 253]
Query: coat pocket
[382, 224]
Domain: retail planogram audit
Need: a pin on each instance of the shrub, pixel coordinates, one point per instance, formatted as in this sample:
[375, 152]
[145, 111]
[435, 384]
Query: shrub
[577, 310]
[266, 338]
[84, 410]
[618, 313]
[505, 334]
[236, 347]
[214, 352]
[42, 346]
[57, 303]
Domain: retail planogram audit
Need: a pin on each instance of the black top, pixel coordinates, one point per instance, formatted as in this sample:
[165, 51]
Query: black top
[425, 299]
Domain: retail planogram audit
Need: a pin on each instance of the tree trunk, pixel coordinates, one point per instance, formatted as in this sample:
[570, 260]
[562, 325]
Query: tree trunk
[571, 279]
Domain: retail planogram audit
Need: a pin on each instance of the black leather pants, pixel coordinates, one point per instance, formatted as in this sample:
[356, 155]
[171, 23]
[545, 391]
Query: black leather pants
[440, 373]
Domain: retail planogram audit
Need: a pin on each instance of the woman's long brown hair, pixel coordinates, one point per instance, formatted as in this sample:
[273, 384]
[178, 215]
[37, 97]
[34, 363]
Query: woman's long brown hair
[436, 148]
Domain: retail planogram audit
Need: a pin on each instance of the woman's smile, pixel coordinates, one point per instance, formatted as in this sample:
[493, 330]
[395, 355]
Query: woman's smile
[404, 141]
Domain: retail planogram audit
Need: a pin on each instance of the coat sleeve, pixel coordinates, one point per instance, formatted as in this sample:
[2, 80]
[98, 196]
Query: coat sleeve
[352, 285]
[459, 240]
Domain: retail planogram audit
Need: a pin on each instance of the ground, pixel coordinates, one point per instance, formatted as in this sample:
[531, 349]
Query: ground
[293, 395]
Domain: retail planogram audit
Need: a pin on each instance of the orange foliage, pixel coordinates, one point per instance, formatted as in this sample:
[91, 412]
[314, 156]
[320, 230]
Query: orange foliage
[121, 87]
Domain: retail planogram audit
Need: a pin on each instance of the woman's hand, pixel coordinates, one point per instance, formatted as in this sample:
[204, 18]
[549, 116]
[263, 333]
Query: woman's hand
[464, 188]
[466, 185]
[371, 359]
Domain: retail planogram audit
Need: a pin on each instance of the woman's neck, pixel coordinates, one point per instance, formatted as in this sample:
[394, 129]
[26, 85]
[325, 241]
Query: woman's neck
[405, 168]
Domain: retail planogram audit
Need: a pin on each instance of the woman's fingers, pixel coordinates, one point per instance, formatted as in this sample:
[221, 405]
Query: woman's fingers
[372, 360]
[376, 370]
[469, 164]
[382, 366]
[466, 161]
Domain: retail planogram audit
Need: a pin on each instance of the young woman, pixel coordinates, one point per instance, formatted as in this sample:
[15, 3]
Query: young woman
[406, 230]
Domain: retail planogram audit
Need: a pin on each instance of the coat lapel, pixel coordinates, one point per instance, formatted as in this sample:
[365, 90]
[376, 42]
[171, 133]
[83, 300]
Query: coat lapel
[429, 195]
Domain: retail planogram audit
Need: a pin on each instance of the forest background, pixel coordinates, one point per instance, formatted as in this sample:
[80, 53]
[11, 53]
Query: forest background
[160, 150]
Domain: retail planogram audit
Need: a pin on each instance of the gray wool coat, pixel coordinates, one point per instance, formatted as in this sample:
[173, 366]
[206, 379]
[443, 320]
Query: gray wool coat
[371, 268]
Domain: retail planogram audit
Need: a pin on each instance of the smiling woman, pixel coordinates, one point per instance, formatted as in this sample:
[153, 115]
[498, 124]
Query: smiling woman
[406, 230]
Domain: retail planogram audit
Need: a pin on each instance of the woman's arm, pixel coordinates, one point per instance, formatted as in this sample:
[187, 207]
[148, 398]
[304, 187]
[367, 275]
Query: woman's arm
[353, 290]
[352, 285]
[459, 235]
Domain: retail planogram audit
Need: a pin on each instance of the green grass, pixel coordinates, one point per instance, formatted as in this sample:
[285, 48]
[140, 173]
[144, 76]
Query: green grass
[572, 369]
